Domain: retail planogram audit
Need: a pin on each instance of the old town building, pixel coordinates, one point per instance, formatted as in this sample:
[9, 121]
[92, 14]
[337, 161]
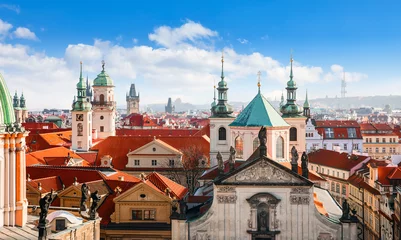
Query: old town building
[379, 140]
[132, 100]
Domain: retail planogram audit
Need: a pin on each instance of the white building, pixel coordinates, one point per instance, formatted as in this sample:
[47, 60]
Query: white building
[344, 136]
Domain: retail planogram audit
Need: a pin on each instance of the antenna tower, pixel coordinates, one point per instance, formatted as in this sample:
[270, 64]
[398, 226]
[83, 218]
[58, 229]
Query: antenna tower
[343, 86]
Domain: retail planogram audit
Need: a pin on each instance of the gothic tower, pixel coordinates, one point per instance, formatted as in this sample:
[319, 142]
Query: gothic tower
[220, 134]
[17, 108]
[81, 118]
[292, 114]
[132, 100]
[103, 105]
[13, 202]
[306, 107]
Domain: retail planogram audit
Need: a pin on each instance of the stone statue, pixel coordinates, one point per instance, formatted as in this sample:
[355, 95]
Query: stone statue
[262, 141]
[231, 160]
[294, 155]
[84, 197]
[95, 202]
[183, 209]
[304, 165]
[263, 221]
[220, 163]
[44, 204]
[346, 211]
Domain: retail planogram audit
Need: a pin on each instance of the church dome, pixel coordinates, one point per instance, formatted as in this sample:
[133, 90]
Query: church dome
[103, 79]
[291, 110]
[6, 110]
[222, 84]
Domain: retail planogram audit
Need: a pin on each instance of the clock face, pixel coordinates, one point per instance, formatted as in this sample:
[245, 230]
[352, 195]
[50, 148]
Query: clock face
[80, 117]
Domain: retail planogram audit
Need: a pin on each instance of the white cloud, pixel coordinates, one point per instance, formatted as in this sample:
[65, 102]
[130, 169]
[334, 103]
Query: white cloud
[4, 28]
[135, 41]
[14, 8]
[190, 32]
[242, 40]
[159, 73]
[25, 33]
[337, 74]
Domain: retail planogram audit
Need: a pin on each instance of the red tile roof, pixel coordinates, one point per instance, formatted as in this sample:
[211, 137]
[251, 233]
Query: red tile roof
[162, 183]
[161, 132]
[384, 173]
[43, 125]
[334, 159]
[340, 128]
[396, 174]
[358, 182]
[47, 184]
[50, 156]
[213, 172]
[118, 146]
[90, 157]
[367, 127]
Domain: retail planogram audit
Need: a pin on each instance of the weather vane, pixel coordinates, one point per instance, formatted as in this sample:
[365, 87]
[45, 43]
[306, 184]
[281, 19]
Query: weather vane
[103, 63]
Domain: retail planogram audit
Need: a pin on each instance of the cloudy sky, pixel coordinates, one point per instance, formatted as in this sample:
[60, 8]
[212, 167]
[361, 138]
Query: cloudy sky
[174, 50]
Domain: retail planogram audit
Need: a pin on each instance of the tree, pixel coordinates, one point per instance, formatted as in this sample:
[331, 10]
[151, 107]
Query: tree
[187, 171]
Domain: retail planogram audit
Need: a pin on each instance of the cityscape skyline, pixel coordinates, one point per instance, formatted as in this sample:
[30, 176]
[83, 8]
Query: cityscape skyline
[178, 54]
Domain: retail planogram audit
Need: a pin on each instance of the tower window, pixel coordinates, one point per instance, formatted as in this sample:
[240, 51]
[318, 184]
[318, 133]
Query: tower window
[239, 147]
[293, 134]
[101, 128]
[101, 117]
[60, 224]
[101, 97]
[280, 147]
[80, 129]
[222, 133]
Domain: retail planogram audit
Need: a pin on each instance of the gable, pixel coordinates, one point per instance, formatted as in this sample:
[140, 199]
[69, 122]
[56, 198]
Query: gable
[141, 192]
[70, 192]
[156, 147]
[263, 171]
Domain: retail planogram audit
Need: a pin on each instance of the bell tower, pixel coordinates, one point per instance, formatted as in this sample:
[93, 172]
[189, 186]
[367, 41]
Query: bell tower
[81, 118]
[220, 134]
[132, 100]
[103, 105]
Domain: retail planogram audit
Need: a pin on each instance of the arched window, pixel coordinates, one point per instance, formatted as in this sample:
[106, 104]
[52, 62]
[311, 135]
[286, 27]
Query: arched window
[101, 99]
[280, 147]
[239, 147]
[293, 134]
[255, 144]
[222, 134]
[80, 129]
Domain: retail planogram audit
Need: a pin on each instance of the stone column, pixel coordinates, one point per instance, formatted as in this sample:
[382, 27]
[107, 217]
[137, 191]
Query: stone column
[21, 201]
[12, 181]
[6, 180]
[254, 219]
[2, 182]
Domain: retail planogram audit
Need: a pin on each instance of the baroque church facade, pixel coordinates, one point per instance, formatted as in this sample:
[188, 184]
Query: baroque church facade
[284, 131]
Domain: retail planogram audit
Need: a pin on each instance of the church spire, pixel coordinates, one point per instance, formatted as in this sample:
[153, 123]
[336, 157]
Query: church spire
[306, 103]
[291, 60]
[222, 65]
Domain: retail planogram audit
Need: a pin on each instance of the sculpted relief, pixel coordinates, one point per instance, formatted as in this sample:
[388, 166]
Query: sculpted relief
[263, 172]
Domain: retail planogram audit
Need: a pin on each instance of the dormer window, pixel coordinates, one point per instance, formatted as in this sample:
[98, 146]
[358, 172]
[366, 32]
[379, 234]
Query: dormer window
[60, 224]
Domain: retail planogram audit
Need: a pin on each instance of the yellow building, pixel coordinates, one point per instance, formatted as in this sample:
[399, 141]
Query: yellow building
[379, 140]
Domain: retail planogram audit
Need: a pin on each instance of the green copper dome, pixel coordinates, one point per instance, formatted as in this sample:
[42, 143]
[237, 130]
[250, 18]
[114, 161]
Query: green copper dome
[7, 116]
[259, 112]
[82, 103]
[103, 79]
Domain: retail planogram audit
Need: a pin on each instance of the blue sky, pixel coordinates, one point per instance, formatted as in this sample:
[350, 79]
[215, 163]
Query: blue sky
[172, 49]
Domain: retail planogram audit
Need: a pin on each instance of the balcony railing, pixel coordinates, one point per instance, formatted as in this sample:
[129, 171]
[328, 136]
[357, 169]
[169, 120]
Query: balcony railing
[108, 104]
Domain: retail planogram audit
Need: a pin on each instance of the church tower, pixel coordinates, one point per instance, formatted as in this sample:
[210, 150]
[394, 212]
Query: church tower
[17, 108]
[292, 113]
[103, 105]
[306, 107]
[13, 202]
[132, 100]
[220, 134]
[81, 118]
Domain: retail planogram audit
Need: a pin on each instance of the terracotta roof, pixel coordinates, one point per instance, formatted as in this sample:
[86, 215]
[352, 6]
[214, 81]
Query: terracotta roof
[162, 183]
[340, 129]
[118, 146]
[47, 184]
[161, 132]
[46, 157]
[213, 172]
[383, 174]
[43, 125]
[334, 159]
[337, 123]
[367, 127]
[90, 157]
[358, 182]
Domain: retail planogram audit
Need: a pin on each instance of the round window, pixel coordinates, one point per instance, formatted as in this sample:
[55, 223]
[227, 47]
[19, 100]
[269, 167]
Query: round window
[142, 195]
[101, 117]
[154, 149]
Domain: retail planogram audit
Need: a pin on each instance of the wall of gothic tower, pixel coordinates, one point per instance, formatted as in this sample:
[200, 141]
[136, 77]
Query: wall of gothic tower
[132, 105]
[297, 134]
[104, 111]
[81, 130]
[13, 202]
[219, 141]
[247, 138]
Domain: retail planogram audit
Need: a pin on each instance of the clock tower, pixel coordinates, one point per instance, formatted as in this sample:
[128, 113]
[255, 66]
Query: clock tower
[81, 118]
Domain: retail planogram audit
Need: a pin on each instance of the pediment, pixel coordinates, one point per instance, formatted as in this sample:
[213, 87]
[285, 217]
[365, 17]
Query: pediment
[155, 147]
[70, 192]
[141, 192]
[264, 171]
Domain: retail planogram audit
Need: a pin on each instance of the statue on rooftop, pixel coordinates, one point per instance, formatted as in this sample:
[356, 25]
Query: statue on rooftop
[44, 204]
[84, 197]
[220, 163]
[231, 160]
[346, 210]
[95, 202]
[262, 141]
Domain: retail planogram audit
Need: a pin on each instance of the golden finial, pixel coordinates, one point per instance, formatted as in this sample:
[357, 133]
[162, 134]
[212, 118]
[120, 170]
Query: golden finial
[259, 73]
